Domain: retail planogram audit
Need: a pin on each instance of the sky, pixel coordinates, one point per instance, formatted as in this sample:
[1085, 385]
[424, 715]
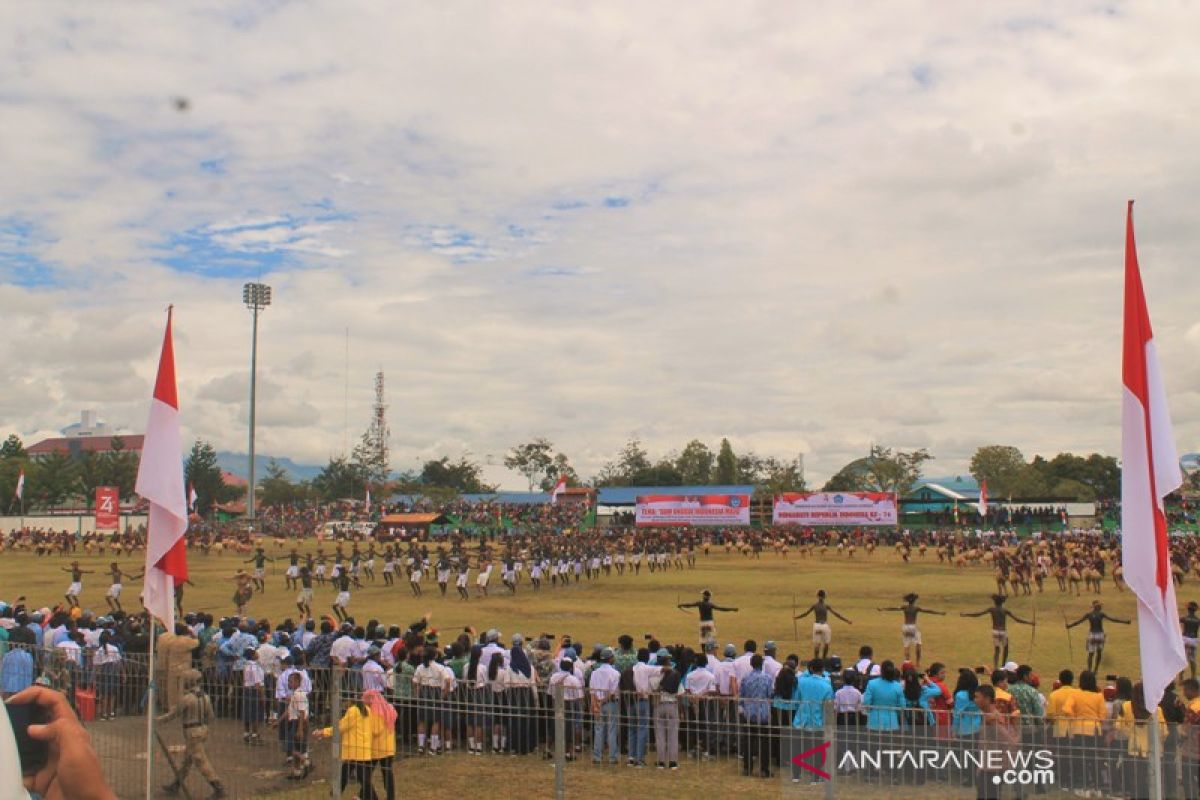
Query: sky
[806, 227]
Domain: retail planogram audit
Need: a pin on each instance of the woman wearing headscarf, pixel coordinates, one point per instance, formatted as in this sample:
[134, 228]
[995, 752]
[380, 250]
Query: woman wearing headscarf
[383, 738]
[521, 699]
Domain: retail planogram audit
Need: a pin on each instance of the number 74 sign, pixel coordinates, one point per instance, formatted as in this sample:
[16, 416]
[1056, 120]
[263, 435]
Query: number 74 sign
[108, 508]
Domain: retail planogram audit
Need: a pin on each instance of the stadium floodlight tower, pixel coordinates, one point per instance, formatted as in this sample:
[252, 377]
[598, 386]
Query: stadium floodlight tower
[256, 297]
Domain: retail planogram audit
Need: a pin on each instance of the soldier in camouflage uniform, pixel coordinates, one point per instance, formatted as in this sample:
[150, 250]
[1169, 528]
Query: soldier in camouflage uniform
[196, 712]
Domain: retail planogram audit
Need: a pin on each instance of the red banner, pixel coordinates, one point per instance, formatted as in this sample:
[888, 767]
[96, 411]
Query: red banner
[679, 509]
[108, 508]
[835, 508]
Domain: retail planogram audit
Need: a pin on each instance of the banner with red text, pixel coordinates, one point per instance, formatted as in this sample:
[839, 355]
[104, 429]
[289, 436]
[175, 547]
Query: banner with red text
[693, 509]
[835, 508]
[108, 508]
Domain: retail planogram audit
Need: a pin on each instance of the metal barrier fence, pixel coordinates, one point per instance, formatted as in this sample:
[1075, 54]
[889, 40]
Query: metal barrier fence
[623, 742]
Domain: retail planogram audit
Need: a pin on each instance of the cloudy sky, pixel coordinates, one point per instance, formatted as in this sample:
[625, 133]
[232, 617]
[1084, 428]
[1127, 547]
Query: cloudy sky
[802, 228]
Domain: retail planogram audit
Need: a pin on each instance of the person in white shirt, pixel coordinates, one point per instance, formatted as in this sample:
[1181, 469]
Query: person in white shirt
[770, 665]
[606, 707]
[639, 727]
[701, 688]
[572, 692]
[497, 680]
[432, 688]
[106, 660]
[727, 690]
[847, 701]
[374, 677]
[741, 664]
[491, 647]
[253, 696]
[343, 650]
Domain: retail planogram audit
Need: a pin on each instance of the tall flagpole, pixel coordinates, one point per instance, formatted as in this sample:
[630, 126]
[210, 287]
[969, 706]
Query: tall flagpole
[150, 716]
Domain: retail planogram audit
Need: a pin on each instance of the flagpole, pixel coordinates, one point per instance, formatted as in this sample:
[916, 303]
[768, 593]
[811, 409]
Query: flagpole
[150, 699]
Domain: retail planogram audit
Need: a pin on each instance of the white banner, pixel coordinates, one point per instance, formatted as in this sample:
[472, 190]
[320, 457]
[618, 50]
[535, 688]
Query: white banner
[680, 509]
[835, 508]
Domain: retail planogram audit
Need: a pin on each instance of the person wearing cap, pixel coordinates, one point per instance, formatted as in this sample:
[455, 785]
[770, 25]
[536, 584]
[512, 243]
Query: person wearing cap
[492, 646]
[705, 606]
[665, 687]
[374, 677]
[173, 652]
[725, 671]
[822, 634]
[999, 616]
[76, 587]
[910, 634]
[606, 704]
[771, 666]
[1096, 636]
[195, 711]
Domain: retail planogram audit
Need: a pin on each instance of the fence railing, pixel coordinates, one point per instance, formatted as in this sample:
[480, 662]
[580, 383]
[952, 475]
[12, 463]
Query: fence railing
[625, 738]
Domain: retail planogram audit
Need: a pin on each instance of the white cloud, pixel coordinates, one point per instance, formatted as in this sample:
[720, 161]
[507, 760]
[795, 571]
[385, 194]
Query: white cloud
[823, 229]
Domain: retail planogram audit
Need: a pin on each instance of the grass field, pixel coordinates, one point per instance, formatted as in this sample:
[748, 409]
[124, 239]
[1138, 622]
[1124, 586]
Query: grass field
[598, 611]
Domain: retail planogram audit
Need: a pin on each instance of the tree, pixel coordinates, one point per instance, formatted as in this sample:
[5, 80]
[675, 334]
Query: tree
[727, 465]
[781, 476]
[121, 467]
[884, 470]
[12, 447]
[695, 463]
[463, 475]
[999, 465]
[51, 480]
[532, 459]
[201, 472]
[339, 479]
[561, 467]
[631, 467]
[277, 487]
[370, 462]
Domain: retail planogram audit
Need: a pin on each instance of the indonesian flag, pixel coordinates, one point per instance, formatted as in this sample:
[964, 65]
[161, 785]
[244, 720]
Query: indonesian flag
[982, 498]
[1149, 472]
[160, 480]
[20, 492]
[192, 497]
[368, 498]
[558, 488]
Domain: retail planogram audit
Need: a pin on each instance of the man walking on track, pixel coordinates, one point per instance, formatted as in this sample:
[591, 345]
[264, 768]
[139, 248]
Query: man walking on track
[196, 712]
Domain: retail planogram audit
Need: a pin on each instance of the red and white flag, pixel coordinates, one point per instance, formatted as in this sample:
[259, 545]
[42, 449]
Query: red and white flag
[982, 504]
[1149, 472]
[160, 480]
[368, 499]
[558, 488]
[20, 492]
[192, 497]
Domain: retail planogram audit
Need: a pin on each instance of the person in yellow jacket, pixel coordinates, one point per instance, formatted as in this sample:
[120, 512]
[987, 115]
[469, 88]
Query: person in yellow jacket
[383, 738]
[1087, 711]
[1060, 725]
[358, 730]
[1133, 718]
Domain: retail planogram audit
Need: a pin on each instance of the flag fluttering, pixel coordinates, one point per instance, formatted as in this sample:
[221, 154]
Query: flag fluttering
[192, 497]
[559, 486]
[1149, 472]
[20, 491]
[982, 505]
[160, 481]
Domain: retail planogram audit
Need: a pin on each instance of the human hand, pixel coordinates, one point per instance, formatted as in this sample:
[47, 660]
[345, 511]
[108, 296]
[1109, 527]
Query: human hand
[72, 769]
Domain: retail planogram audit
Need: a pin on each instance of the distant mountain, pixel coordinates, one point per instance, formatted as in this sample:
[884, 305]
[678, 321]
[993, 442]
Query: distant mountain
[239, 464]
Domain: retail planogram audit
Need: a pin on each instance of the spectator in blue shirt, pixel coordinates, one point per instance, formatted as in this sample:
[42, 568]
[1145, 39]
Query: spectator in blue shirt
[754, 694]
[966, 720]
[883, 699]
[813, 690]
[16, 668]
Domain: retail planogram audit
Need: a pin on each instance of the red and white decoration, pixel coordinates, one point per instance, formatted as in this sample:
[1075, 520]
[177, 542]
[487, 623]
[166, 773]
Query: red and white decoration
[160, 481]
[1149, 472]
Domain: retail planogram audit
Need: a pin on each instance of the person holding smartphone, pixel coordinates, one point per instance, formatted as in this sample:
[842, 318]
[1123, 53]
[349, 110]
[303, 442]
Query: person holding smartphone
[66, 766]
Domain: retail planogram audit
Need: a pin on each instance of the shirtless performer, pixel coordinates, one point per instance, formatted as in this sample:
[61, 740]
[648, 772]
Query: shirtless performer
[821, 633]
[113, 596]
[708, 627]
[1000, 616]
[910, 635]
[76, 587]
[1095, 641]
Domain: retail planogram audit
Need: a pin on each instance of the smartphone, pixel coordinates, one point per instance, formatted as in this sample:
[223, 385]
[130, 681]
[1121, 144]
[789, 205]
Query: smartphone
[33, 754]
